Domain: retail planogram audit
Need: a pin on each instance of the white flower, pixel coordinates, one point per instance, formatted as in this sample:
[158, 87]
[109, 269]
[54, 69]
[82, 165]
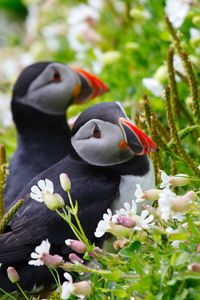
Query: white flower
[165, 205]
[104, 224]
[43, 186]
[177, 10]
[176, 180]
[139, 193]
[165, 179]
[67, 287]
[43, 248]
[144, 221]
[153, 85]
[128, 210]
[82, 13]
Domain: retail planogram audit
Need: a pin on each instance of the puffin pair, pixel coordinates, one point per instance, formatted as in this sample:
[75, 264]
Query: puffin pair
[41, 96]
[108, 155]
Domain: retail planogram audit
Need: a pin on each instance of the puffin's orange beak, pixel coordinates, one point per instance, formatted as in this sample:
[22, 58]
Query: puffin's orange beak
[137, 140]
[97, 87]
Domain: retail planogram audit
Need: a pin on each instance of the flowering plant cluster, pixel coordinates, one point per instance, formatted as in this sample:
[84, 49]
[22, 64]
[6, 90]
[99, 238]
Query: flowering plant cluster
[152, 253]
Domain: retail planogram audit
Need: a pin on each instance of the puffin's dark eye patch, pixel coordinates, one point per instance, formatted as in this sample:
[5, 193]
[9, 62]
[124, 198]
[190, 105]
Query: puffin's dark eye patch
[56, 76]
[96, 132]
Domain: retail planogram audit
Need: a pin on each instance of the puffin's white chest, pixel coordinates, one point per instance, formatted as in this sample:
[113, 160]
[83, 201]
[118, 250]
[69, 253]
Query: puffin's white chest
[127, 187]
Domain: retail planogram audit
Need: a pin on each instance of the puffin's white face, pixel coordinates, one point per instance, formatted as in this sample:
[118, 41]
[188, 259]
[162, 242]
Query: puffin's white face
[53, 89]
[101, 143]
[109, 138]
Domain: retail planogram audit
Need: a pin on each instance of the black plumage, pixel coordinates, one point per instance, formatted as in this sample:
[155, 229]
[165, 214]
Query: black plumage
[43, 137]
[95, 187]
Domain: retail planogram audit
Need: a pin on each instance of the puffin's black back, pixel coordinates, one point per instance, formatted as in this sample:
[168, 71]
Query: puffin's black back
[42, 139]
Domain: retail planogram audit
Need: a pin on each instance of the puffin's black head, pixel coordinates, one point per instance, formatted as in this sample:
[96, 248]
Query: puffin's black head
[104, 136]
[50, 87]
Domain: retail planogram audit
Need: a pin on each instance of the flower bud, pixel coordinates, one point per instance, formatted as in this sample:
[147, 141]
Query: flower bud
[152, 194]
[52, 261]
[110, 57]
[60, 200]
[82, 288]
[12, 274]
[118, 244]
[126, 221]
[65, 182]
[183, 203]
[77, 246]
[75, 259]
[118, 230]
[194, 267]
[198, 248]
[179, 180]
[53, 202]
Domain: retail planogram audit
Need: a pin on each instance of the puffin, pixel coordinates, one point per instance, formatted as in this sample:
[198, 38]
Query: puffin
[108, 156]
[41, 96]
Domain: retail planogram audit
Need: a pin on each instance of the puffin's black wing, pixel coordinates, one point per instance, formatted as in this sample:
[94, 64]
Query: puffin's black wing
[91, 187]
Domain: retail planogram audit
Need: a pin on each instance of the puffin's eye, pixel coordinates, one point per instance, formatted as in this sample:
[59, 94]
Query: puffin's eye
[56, 76]
[96, 132]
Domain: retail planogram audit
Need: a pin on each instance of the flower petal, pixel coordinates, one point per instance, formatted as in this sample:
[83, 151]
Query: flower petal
[34, 255]
[144, 214]
[41, 184]
[35, 189]
[36, 197]
[49, 185]
[68, 277]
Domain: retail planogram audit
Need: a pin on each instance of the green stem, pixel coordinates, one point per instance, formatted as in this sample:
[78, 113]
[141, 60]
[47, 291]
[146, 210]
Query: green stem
[72, 226]
[188, 160]
[54, 277]
[23, 293]
[58, 277]
[82, 233]
[10, 296]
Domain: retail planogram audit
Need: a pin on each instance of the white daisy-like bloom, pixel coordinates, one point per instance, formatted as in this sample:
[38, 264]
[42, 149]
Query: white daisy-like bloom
[177, 10]
[104, 224]
[42, 187]
[43, 248]
[128, 210]
[67, 287]
[144, 221]
[153, 85]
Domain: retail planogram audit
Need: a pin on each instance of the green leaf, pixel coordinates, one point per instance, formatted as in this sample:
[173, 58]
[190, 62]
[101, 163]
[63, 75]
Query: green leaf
[182, 259]
[113, 276]
[130, 249]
